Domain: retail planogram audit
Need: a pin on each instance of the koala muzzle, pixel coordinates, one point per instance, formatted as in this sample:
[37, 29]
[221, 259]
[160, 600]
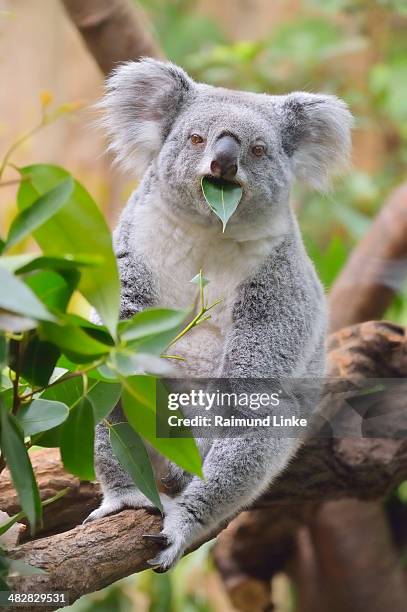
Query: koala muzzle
[225, 158]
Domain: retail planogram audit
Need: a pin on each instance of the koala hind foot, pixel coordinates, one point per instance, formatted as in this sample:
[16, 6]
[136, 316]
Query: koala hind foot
[119, 499]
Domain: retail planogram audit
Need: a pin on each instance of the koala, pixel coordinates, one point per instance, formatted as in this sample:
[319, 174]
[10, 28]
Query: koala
[169, 132]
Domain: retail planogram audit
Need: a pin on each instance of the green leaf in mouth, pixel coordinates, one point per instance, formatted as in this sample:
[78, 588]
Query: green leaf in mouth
[223, 197]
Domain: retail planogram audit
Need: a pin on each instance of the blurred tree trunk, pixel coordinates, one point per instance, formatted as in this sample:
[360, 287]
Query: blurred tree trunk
[376, 269]
[113, 30]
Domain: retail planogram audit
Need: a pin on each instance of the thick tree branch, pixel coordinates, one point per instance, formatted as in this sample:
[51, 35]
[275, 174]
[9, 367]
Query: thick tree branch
[89, 557]
[82, 497]
[114, 31]
[375, 270]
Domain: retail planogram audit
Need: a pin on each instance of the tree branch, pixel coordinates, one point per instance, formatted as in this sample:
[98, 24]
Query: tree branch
[114, 31]
[65, 513]
[90, 556]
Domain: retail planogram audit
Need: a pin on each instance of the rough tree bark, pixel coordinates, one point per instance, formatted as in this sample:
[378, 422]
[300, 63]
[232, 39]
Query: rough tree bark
[81, 498]
[91, 556]
[113, 30]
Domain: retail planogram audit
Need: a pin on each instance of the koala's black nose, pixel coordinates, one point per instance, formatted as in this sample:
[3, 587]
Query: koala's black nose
[225, 157]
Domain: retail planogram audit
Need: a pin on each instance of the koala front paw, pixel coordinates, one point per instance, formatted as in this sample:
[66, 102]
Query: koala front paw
[176, 536]
[119, 499]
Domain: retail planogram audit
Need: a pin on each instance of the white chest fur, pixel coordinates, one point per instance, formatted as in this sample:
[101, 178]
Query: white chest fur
[176, 252]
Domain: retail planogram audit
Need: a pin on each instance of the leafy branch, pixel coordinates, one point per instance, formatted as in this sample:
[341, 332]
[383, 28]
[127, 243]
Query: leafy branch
[60, 374]
[202, 315]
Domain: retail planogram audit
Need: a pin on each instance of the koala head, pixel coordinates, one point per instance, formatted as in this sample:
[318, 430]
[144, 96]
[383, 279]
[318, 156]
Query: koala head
[156, 115]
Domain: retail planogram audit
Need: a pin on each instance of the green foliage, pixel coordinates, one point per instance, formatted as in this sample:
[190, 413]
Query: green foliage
[40, 211]
[41, 415]
[77, 229]
[61, 375]
[17, 298]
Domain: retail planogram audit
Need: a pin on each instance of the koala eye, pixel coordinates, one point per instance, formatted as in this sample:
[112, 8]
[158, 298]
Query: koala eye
[258, 150]
[196, 139]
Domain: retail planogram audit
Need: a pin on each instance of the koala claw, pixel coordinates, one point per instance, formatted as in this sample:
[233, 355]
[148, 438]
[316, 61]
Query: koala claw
[102, 511]
[174, 537]
[156, 537]
[168, 557]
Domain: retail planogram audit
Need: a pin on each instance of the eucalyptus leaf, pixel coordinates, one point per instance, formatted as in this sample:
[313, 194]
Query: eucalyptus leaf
[139, 405]
[223, 198]
[39, 212]
[199, 280]
[132, 455]
[151, 322]
[20, 264]
[15, 323]
[79, 229]
[17, 298]
[102, 395]
[54, 289]
[77, 439]
[37, 361]
[73, 342]
[41, 415]
[19, 464]
[129, 363]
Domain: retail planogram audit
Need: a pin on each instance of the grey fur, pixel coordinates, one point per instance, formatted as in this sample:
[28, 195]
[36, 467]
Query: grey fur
[272, 321]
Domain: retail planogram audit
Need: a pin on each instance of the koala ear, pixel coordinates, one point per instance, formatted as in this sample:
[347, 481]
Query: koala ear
[316, 134]
[141, 102]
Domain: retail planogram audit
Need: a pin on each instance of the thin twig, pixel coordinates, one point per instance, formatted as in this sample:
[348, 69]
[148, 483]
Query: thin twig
[63, 378]
[16, 181]
[15, 381]
[195, 321]
[17, 143]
